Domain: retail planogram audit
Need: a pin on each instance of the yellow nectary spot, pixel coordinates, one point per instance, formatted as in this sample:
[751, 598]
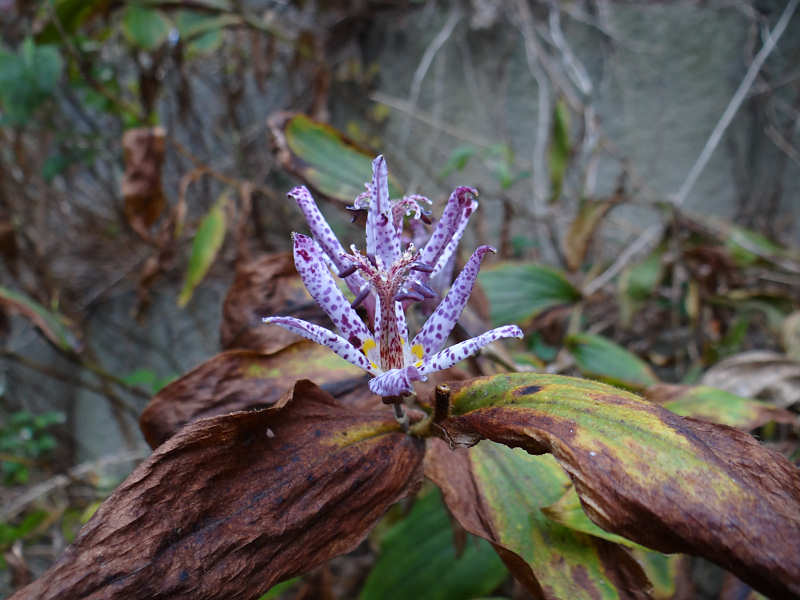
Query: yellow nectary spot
[368, 345]
[373, 365]
[418, 351]
[418, 363]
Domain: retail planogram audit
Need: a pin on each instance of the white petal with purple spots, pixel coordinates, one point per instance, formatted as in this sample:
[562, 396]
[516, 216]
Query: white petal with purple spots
[450, 356]
[396, 382]
[450, 227]
[320, 284]
[324, 235]
[383, 240]
[437, 328]
[325, 337]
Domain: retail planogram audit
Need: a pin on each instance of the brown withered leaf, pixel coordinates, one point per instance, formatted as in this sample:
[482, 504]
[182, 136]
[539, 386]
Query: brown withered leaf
[233, 504]
[583, 227]
[758, 374]
[673, 484]
[268, 285]
[242, 380]
[497, 493]
[141, 183]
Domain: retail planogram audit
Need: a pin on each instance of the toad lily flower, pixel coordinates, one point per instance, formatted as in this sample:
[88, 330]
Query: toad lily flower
[388, 277]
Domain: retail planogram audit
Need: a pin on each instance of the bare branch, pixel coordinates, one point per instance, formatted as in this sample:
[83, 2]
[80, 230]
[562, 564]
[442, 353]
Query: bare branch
[735, 103]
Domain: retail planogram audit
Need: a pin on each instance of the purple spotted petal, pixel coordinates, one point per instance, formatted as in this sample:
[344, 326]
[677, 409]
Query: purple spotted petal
[383, 239]
[434, 333]
[448, 231]
[396, 382]
[320, 284]
[324, 235]
[323, 336]
[450, 356]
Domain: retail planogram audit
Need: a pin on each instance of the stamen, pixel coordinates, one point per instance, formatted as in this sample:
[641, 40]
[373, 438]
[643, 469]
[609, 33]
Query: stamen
[414, 296]
[423, 289]
[348, 271]
[421, 266]
[372, 260]
[362, 295]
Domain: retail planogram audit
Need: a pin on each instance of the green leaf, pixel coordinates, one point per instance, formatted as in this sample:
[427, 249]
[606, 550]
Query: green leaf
[666, 482]
[718, 406]
[145, 27]
[638, 282]
[418, 560]
[459, 158]
[202, 32]
[747, 247]
[324, 157]
[498, 493]
[54, 326]
[599, 357]
[661, 569]
[276, 590]
[518, 292]
[567, 511]
[207, 242]
[559, 148]
[71, 14]
[28, 78]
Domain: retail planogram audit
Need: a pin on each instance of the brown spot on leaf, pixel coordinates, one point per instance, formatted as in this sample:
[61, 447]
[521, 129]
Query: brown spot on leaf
[526, 390]
[221, 507]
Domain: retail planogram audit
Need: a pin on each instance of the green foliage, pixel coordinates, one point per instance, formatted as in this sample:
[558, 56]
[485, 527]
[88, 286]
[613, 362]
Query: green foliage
[202, 33]
[147, 379]
[498, 158]
[24, 439]
[418, 559]
[597, 356]
[559, 149]
[519, 291]
[10, 533]
[207, 242]
[332, 164]
[28, 78]
[145, 27]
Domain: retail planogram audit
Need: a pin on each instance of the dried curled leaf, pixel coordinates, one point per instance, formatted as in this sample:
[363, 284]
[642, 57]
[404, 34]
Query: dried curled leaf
[233, 504]
[673, 484]
[758, 374]
[241, 380]
[141, 183]
[497, 493]
[268, 285]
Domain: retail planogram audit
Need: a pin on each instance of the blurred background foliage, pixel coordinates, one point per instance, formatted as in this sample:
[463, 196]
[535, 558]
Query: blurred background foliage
[146, 147]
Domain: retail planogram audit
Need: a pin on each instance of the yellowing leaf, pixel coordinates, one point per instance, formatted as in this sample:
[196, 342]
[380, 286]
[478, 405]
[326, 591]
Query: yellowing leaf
[498, 493]
[717, 406]
[54, 327]
[207, 242]
[666, 482]
[323, 157]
